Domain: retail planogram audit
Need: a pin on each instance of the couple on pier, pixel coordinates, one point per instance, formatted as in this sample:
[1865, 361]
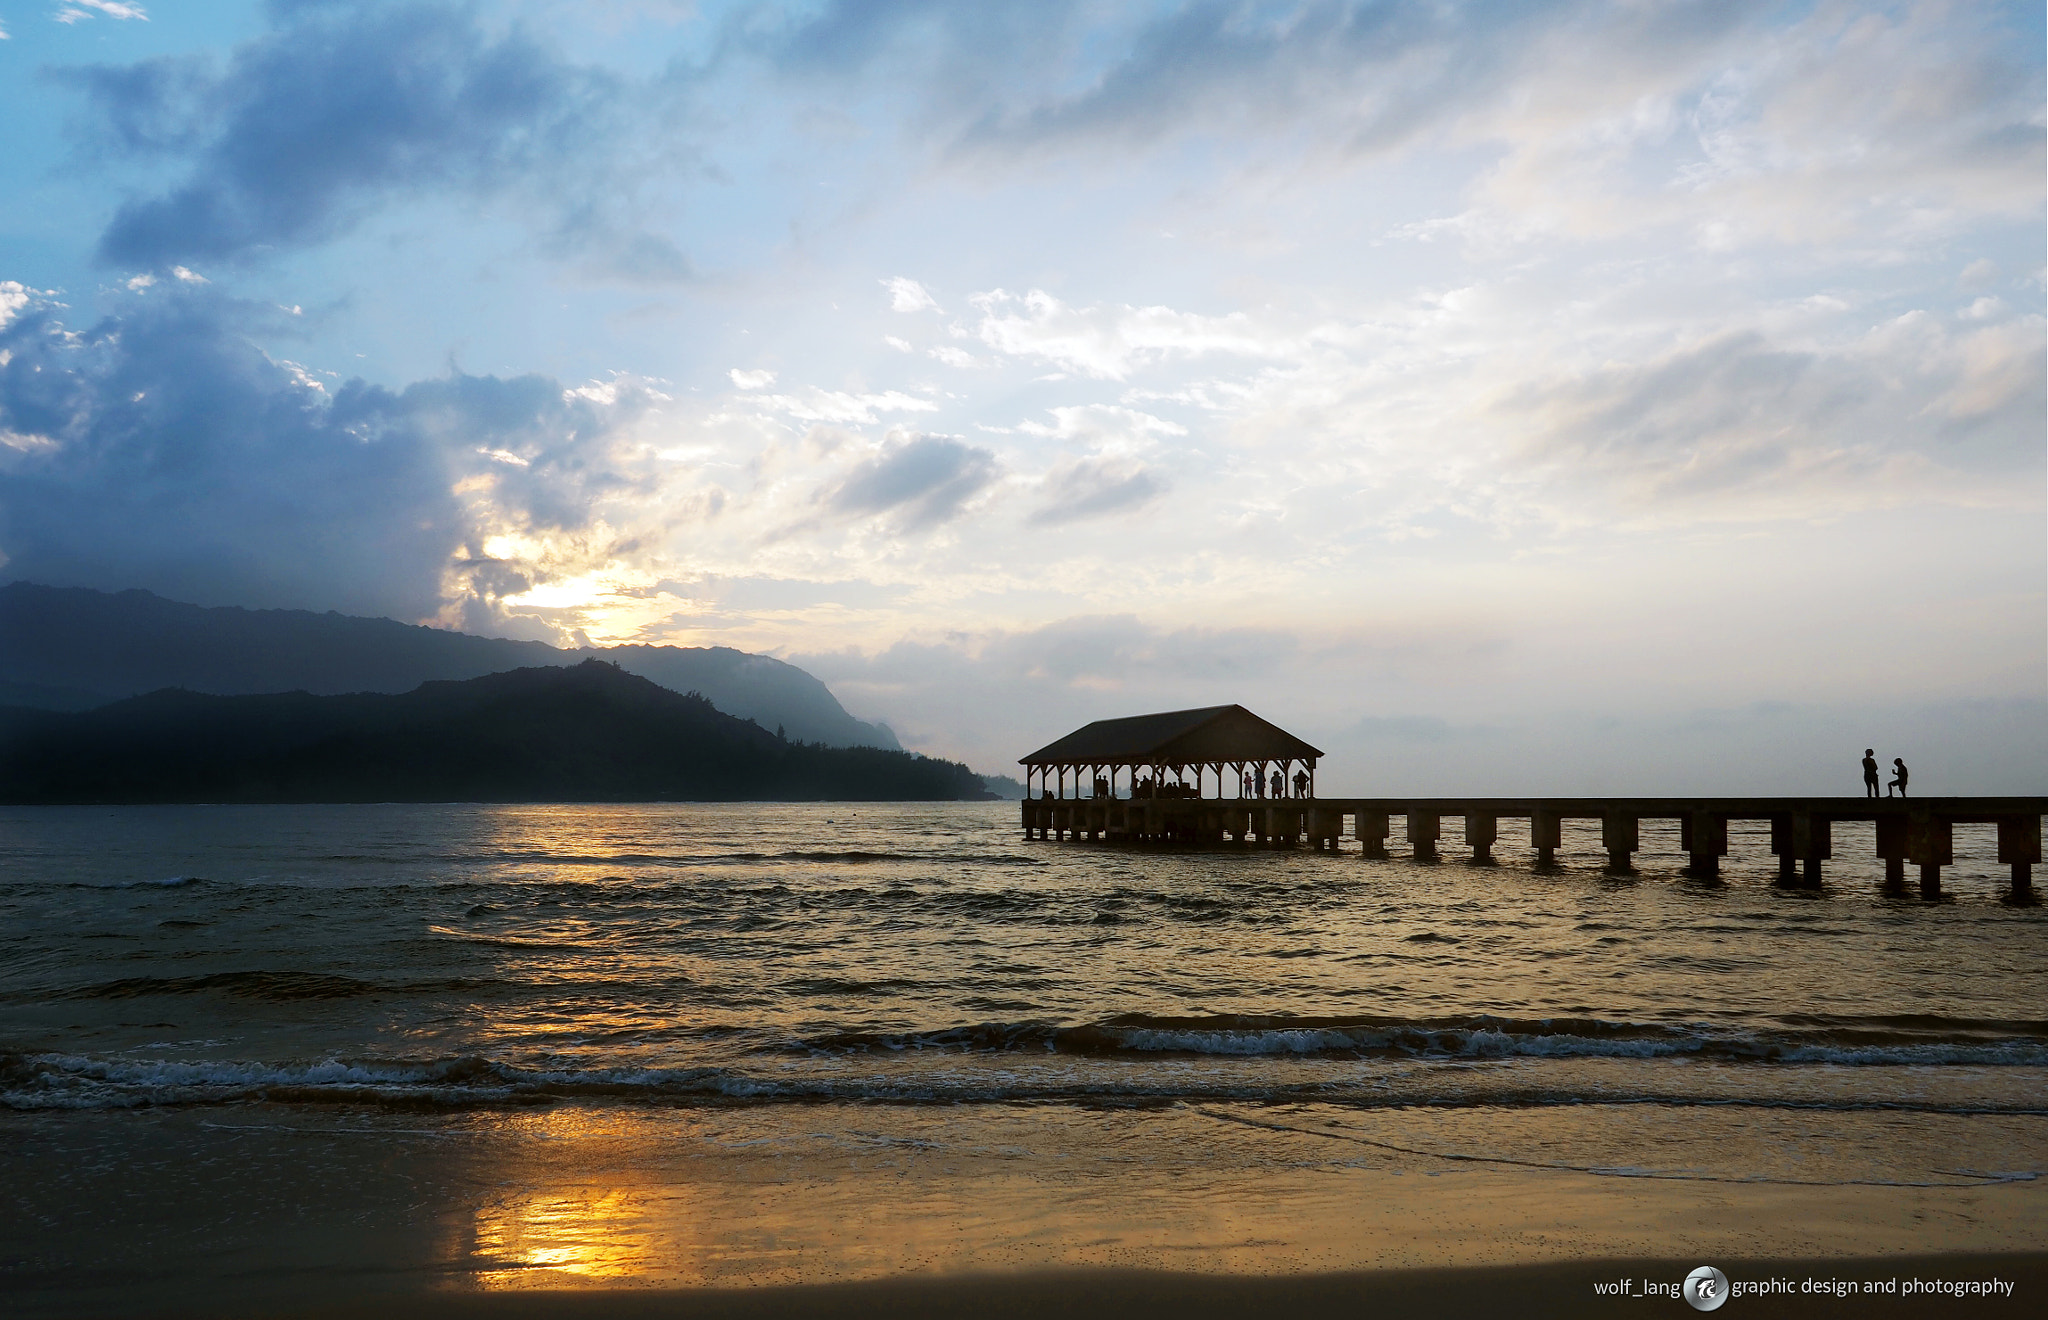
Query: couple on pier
[1870, 775]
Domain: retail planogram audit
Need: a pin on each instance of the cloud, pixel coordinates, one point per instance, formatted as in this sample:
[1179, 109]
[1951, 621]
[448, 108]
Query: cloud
[1100, 422]
[308, 129]
[172, 453]
[1095, 488]
[1719, 121]
[907, 295]
[1108, 341]
[1783, 427]
[14, 295]
[751, 380]
[923, 478]
[839, 408]
[71, 11]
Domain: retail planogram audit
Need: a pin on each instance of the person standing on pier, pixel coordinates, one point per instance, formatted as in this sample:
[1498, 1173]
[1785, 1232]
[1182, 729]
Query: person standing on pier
[1900, 781]
[1870, 772]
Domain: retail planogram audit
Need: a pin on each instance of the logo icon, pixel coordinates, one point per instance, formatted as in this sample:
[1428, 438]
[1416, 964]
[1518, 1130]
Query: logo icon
[1706, 1288]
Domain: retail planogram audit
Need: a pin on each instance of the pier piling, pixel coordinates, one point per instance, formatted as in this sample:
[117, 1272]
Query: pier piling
[2019, 846]
[1372, 828]
[1481, 832]
[1931, 844]
[1920, 833]
[1618, 834]
[1704, 838]
[1422, 834]
[1546, 836]
[1891, 846]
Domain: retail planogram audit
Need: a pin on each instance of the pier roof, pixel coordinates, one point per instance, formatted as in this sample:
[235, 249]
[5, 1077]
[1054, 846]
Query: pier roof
[1209, 735]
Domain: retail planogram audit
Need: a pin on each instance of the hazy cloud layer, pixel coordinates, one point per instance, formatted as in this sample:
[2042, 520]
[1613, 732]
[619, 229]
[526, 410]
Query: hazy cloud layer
[1424, 365]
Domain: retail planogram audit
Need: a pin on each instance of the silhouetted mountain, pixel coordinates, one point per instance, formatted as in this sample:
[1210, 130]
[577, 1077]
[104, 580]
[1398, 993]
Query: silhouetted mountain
[591, 732]
[70, 648]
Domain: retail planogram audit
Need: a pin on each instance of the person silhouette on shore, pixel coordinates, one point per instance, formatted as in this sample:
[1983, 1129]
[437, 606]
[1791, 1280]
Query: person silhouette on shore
[1899, 782]
[1870, 772]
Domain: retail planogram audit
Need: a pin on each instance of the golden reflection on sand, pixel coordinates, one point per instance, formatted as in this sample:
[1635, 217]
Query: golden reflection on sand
[589, 1236]
[578, 1197]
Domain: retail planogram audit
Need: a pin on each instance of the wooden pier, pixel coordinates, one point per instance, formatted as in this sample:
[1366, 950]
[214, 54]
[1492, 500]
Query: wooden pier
[1909, 831]
[1148, 781]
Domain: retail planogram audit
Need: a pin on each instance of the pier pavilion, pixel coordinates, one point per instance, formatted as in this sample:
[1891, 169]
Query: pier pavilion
[1191, 745]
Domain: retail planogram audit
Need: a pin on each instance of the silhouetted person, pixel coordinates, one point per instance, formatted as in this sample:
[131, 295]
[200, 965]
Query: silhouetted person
[1279, 785]
[1898, 781]
[1870, 772]
[1301, 783]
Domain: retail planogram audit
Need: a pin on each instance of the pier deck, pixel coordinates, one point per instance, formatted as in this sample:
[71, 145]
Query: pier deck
[1919, 831]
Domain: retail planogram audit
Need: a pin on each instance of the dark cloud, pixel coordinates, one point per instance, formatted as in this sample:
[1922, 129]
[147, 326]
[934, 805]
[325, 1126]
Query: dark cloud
[1372, 72]
[308, 128]
[161, 448]
[1095, 488]
[924, 479]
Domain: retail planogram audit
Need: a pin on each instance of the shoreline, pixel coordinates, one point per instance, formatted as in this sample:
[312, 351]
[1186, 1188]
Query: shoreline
[1805, 1286]
[587, 1210]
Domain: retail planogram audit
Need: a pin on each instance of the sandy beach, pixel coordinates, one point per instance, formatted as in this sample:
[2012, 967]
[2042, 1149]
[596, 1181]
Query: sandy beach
[1181, 1210]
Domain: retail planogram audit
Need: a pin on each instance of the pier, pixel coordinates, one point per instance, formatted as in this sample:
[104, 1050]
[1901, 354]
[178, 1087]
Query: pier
[1147, 782]
[1915, 832]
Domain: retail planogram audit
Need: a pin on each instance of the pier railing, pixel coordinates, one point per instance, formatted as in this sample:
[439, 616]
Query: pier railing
[1915, 831]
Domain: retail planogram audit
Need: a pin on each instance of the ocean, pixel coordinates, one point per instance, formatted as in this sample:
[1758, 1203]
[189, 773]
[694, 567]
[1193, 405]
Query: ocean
[768, 975]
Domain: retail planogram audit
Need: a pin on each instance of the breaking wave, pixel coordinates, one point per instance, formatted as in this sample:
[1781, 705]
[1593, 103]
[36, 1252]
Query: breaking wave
[1473, 1037]
[50, 1082]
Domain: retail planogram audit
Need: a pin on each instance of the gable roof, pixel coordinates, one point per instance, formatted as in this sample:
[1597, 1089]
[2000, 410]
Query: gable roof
[1175, 737]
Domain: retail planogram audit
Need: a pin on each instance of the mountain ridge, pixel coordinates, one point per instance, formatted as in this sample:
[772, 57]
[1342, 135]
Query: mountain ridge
[74, 648]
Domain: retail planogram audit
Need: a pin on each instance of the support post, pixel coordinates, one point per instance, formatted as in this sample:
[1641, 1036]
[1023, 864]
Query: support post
[1481, 832]
[1546, 836]
[1423, 827]
[1372, 833]
[1931, 845]
[1324, 828]
[1781, 844]
[1704, 837]
[1618, 834]
[1812, 843]
[2019, 846]
[1891, 846]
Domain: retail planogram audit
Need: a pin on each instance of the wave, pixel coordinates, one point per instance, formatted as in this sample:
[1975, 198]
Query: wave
[163, 882]
[46, 1082]
[278, 986]
[1884, 1042]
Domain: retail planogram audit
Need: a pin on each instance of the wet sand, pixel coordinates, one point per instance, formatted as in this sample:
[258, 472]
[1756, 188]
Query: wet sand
[836, 1210]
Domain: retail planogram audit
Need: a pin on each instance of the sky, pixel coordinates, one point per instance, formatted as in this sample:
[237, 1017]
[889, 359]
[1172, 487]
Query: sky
[1600, 397]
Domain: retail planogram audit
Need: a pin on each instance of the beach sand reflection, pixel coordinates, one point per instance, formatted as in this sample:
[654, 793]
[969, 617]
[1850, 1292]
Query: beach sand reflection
[578, 1197]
